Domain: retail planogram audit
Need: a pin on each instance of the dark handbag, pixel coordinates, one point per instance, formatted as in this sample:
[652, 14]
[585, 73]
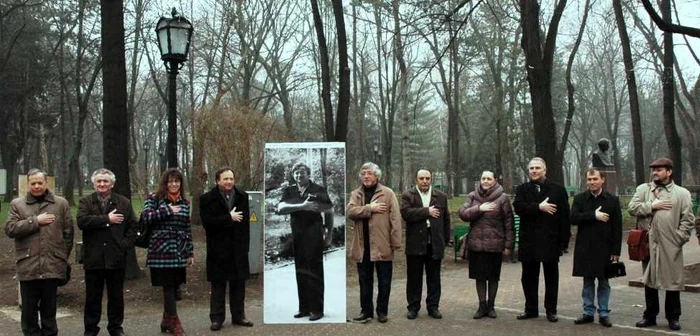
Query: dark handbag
[615, 269]
[143, 237]
[638, 244]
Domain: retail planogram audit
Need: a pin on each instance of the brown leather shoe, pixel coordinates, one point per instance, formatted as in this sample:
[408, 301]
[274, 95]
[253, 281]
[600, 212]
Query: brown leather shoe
[216, 325]
[242, 322]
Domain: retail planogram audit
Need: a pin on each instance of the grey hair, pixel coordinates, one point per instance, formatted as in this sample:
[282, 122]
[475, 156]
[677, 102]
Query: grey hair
[101, 171]
[373, 166]
[544, 164]
[35, 171]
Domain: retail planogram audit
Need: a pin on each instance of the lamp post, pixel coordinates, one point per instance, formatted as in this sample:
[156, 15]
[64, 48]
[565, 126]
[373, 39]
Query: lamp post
[146, 147]
[174, 36]
[376, 150]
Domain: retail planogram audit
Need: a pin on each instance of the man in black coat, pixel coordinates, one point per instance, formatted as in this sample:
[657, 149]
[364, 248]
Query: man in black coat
[225, 217]
[109, 228]
[427, 231]
[311, 213]
[598, 241]
[543, 207]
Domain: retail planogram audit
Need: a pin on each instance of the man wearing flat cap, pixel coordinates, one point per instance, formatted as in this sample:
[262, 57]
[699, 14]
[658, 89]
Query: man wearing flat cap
[665, 209]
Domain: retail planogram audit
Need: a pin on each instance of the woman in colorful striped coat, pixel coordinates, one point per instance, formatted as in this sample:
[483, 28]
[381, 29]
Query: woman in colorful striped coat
[170, 250]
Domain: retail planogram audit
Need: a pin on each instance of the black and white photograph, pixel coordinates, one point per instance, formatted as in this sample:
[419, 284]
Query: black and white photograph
[304, 233]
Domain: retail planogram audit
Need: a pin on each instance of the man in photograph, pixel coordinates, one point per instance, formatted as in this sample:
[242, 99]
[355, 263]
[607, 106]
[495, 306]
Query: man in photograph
[225, 217]
[311, 215]
[41, 225]
[109, 228]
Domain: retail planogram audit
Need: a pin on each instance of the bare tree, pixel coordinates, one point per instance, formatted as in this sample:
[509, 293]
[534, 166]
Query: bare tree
[539, 58]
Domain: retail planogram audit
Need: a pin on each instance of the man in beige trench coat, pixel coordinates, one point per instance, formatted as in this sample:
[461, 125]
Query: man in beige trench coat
[666, 209]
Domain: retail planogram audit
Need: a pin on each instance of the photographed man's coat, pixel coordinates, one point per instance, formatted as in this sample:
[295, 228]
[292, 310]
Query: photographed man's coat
[543, 237]
[228, 242]
[669, 230]
[596, 241]
[41, 251]
[105, 244]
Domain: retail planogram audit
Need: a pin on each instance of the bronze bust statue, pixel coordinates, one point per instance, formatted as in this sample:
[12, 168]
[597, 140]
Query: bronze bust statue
[600, 158]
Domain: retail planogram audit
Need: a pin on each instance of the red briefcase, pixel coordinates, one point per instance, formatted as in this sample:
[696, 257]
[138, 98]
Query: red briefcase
[638, 244]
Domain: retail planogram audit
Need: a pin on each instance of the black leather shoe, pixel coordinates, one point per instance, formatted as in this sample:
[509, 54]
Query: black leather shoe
[525, 316]
[605, 322]
[362, 318]
[552, 318]
[435, 313]
[412, 314]
[215, 326]
[117, 333]
[674, 325]
[583, 319]
[315, 316]
[242, 322]
[301, 314]
[644, 323]
[382, 318]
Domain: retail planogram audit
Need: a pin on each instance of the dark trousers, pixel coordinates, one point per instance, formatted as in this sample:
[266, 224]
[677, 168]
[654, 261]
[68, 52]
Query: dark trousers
[39, 297]
[308, 264]
[530, 281]
[365, 272]
[672, 305]
[415, 264]
[95, 282]
[236, 297]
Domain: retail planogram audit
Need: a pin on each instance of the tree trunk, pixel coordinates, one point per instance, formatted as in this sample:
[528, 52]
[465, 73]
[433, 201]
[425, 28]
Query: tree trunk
[639, 166]
[341, 126]
[115, 142]
[402, 99]
[325, 72]
[673, 139]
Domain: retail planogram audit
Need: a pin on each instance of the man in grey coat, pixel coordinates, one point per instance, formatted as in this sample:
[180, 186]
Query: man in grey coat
[42, 227]
[667, 210]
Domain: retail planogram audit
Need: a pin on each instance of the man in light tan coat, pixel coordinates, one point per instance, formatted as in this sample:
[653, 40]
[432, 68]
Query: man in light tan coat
[667, 209]
[376, 217]
[42, 227]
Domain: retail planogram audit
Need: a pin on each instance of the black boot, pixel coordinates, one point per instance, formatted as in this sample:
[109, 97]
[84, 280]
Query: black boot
[491, 311]
[483, 310]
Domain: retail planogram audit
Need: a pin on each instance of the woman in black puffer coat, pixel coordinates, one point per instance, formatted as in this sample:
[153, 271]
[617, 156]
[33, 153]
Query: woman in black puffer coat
[490, 215]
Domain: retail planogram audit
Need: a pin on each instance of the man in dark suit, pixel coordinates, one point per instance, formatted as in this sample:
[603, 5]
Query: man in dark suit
[109, 228]
[427, 231]
[543, 207]
[598, 215]
[311, 214]
[225, 216]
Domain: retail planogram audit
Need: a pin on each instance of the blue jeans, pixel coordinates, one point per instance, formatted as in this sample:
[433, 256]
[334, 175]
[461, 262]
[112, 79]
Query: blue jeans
[588, 293]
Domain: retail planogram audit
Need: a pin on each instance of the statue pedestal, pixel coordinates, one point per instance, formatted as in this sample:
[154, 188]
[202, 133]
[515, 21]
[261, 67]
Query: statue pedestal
[610, 181]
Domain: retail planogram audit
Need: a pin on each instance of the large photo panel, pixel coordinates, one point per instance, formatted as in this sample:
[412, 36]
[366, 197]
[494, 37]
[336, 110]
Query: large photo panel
[304, 233]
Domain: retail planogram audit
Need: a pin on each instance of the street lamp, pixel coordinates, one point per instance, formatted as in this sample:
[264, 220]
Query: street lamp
[376, 149]
[174, 36]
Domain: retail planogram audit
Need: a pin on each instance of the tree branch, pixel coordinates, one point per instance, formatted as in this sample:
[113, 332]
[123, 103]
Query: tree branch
[669, 27]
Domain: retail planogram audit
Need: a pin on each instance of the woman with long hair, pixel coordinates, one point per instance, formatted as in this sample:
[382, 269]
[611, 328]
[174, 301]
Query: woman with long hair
[490, 215]
[167, 212]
